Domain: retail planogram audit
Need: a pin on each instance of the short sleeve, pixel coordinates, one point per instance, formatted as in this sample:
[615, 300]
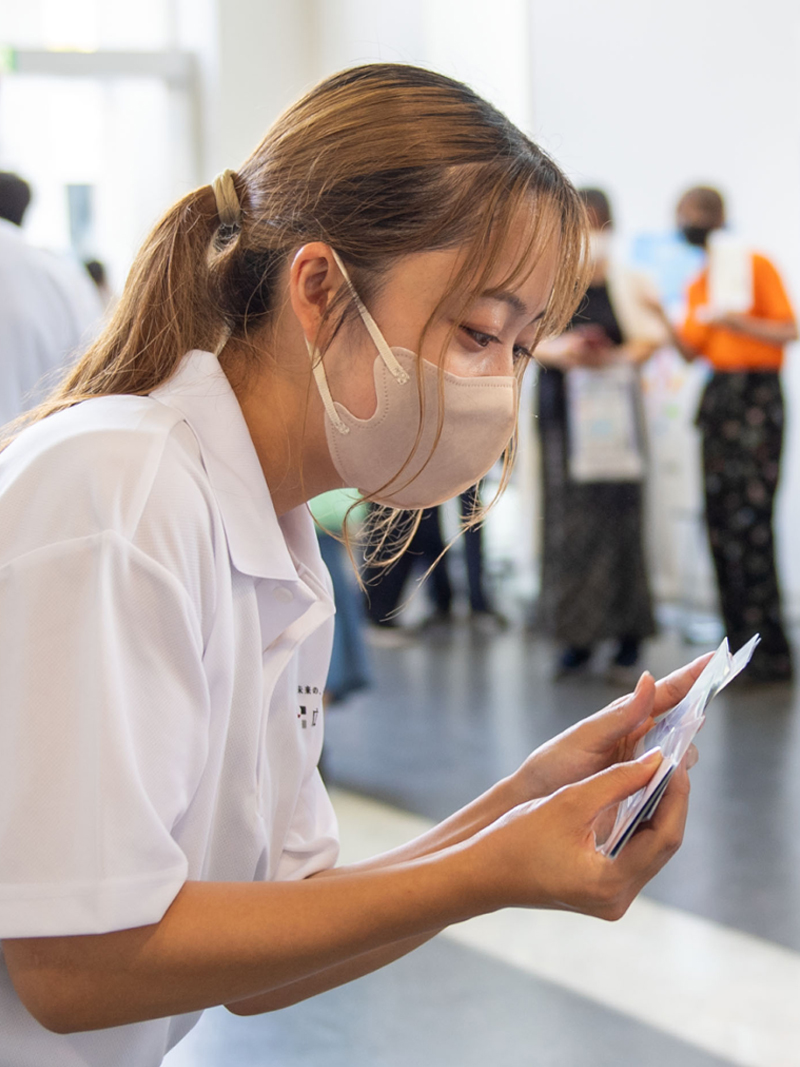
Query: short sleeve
[312, 842]
[770, 298]
[103, 732]
[693, 332]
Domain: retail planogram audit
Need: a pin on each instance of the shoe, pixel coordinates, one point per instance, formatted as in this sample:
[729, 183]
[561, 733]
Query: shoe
[768, 667]
[764, 676]
[572, 663]
[627, 654]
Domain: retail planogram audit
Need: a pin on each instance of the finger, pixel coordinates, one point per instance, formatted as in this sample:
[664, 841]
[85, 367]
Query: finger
[615, 784]
[626, 714]
[675, 686]
[659, 839]
[691, 757]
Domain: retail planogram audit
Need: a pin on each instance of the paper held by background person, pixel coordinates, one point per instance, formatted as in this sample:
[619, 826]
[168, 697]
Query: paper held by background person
[730, 275]
[673, 733]
[604, 444]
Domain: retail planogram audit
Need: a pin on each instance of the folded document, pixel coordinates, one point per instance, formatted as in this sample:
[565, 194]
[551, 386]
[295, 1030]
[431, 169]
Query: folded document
[673, 732]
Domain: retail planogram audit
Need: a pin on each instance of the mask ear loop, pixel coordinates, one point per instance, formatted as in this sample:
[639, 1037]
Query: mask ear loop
[379, 340]
[388, 357]
[321, 378]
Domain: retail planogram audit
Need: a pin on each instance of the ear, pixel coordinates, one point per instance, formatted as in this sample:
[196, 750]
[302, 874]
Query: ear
[314, 280]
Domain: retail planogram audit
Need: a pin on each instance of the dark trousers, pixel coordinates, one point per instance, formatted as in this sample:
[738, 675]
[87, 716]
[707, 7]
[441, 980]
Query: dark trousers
[349, 670]
[473, 551]
[385, 588]
[741, 417]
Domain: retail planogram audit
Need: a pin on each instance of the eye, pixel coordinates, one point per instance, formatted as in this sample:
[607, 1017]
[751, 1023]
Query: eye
[483, 340]
[480, 338]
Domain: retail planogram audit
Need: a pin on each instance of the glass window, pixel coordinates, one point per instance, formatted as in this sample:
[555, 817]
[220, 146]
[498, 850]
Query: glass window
[104, 157]
[88, 25]
[104, 153]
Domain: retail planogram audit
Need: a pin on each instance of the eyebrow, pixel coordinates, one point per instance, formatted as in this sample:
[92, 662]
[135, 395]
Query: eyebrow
[513, 301]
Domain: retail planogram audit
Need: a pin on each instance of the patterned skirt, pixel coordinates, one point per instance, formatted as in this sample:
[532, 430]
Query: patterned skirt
[741, 417]
[594, 574]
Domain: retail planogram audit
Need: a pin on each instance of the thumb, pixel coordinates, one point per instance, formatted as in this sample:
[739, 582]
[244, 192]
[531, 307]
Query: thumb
[633, 709]
[620, 781]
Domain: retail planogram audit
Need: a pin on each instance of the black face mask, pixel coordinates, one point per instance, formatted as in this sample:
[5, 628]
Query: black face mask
[696, 235]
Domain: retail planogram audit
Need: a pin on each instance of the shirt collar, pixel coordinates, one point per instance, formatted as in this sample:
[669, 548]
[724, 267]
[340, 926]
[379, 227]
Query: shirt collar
[200, 391]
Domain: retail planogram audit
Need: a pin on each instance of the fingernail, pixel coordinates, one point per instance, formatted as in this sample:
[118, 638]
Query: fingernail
[640, 683]
[650, 757]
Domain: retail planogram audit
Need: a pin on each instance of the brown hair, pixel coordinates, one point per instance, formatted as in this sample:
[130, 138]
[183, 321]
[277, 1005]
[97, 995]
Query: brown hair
[378, 161]
[598, 204]
[706, 199]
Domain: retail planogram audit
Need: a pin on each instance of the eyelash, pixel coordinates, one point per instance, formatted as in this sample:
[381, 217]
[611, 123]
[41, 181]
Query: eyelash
[485, 339]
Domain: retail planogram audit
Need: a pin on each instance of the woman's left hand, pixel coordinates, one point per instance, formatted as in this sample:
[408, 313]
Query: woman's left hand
[605, 738]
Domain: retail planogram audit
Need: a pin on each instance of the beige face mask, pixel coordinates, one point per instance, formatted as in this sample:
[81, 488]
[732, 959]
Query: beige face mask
[395, 456]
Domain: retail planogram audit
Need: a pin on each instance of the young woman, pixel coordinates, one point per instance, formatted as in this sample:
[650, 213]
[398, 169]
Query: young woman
[166, 843]
[595, 585]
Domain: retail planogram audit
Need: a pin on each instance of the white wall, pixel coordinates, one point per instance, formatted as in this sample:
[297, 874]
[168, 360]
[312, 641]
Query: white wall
[258, 56]
[453, 36]
[255, 57]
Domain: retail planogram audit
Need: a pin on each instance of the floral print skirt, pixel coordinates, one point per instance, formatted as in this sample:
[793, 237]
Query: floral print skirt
[741, 418]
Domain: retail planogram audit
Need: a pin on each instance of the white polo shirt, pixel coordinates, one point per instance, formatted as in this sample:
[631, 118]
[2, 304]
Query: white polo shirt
[164, 642]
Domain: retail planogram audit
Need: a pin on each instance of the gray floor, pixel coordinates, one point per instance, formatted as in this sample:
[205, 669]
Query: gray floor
[444, 1006]
[454, 712]
[448, 716]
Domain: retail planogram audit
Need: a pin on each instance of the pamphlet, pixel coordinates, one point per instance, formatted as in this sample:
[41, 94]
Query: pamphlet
[673, 733]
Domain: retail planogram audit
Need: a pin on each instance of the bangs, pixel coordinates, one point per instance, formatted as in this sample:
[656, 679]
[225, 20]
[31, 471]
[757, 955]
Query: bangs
[521, 212]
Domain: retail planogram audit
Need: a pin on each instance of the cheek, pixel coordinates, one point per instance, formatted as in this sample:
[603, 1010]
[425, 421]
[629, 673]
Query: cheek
[493, 361]
[351, 378]
[466, 360]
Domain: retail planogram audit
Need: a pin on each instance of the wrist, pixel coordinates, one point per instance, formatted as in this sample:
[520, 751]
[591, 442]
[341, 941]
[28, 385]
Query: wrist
[532, 780]
[477, 869]
[520, 786]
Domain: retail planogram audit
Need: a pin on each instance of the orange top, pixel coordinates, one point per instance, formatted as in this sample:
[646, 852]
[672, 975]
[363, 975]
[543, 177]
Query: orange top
[728, 350]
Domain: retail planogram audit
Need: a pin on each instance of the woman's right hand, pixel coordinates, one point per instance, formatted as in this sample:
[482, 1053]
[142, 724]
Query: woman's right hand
[543, 853]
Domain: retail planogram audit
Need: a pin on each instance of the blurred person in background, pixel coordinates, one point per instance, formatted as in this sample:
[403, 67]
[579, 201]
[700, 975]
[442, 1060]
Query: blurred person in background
[96, 270]
[427, 551]
[739, 318]
[594, 574]
[349, 670]
[385, 582]
[48, 307]
[483, 614]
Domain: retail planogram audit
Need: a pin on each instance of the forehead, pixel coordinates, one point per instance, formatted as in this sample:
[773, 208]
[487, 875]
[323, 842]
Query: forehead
[524, 261]
[509, 267]
[523, 267]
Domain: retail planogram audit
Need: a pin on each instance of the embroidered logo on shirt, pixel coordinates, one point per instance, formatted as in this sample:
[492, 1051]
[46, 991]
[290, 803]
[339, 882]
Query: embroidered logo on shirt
[307, 714]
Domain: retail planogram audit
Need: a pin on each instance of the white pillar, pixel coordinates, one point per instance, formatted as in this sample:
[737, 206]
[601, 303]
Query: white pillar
[255, 58]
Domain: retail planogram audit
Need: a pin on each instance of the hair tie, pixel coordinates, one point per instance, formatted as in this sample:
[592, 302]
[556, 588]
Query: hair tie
[228, 207]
